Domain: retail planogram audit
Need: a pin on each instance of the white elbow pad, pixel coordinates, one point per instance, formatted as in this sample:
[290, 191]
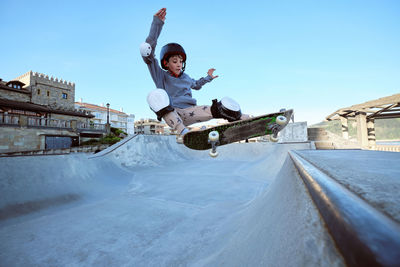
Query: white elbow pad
[145, 49]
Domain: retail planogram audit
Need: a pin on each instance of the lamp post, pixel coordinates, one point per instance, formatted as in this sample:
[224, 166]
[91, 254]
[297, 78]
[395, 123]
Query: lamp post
[108, 119]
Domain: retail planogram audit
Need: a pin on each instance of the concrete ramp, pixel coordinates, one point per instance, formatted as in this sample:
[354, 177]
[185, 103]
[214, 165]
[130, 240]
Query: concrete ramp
[152, 202]
[279, 228]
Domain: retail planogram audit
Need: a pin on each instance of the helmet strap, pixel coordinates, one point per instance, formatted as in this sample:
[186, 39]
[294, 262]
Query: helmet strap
[183, 66]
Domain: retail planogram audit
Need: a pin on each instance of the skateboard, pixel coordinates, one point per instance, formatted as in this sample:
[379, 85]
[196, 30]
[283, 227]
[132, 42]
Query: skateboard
[268, 124]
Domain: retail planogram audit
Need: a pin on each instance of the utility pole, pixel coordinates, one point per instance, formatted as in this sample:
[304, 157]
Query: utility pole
[108, 128]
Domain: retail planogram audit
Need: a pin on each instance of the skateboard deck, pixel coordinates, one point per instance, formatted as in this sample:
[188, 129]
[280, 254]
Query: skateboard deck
[268, 124]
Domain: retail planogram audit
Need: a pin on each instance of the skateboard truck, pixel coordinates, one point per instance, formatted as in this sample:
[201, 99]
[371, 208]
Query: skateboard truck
[274, 137]
[213, 139]
[280, 120]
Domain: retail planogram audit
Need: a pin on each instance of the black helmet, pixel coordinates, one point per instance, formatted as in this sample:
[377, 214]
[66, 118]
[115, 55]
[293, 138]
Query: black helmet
[169, 50]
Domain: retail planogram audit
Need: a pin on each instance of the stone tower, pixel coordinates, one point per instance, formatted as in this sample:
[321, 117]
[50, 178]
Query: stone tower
[53, 92]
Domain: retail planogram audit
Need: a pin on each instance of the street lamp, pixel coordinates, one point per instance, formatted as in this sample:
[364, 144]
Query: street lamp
[108, 118]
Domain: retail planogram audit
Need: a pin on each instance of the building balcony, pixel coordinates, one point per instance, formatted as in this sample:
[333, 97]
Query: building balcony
[9, 120]
[13, 120]
[84, 126]
[48, 123]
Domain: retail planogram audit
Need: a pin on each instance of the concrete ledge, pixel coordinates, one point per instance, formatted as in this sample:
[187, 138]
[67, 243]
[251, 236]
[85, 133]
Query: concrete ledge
[294, 133]
[326, 140]
[324, 145]
[364, 235]
[60, 151]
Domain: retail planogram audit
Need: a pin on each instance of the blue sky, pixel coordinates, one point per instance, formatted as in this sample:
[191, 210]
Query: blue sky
[312, 56]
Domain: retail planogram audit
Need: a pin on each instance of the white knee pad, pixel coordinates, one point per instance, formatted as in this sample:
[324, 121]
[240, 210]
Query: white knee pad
[158, 101]
[230, 104]
[227, 109]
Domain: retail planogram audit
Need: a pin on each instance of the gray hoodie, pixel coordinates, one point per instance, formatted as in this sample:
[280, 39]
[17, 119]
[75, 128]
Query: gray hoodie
[178, 88]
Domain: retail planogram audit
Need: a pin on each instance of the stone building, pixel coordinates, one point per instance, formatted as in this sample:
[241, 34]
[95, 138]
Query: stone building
[131, 124]
[149, 126]
[55, 93]
[37, 113]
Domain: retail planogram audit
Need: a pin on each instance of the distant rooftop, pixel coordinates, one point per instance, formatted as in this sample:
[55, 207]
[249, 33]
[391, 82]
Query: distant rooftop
[383, 108]
[98, 108]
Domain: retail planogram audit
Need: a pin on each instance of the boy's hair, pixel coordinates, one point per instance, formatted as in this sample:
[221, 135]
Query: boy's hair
[169, 50]
[167, 58]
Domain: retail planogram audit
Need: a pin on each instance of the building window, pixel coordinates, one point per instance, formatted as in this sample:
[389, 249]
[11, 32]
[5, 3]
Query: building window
[38, 91]
[64, 96]
[48, 93]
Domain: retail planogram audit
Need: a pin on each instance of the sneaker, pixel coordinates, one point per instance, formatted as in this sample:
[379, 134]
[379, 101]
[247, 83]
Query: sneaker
[179, 137]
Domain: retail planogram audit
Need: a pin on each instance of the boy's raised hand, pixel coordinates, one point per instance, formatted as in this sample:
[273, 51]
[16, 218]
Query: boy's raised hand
[210, 72]
[161, 14]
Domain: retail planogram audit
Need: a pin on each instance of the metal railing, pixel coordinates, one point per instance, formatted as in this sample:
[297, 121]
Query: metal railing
[364, 235]
[44, 122]
[389, 148]
[39, 122]
[8, 119]
[91, 126]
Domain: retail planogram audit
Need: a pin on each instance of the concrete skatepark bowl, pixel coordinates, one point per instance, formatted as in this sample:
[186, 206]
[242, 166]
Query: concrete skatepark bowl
[152, 202]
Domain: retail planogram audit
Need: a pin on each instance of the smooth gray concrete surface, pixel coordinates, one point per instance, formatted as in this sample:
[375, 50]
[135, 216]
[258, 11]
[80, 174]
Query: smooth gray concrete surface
[152, 202]
[372, 175]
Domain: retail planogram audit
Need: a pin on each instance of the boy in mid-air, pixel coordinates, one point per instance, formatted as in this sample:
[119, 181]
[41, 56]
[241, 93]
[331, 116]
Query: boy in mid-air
[173, 100]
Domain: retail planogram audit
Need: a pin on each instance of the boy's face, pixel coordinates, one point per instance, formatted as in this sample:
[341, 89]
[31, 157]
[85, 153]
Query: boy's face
[174, 64]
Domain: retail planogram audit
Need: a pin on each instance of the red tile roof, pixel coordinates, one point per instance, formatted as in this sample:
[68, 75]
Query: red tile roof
[96, 107]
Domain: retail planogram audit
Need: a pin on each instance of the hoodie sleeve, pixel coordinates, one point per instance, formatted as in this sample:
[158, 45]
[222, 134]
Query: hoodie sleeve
[196, 85]
[152, 63]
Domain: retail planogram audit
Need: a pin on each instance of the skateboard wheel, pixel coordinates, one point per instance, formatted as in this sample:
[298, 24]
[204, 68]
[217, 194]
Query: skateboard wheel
[281, 120]
[213, 136]
[273, 138]
[213, 154]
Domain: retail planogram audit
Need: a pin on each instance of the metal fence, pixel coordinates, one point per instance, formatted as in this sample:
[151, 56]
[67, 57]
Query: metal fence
[8, 119]
[91, 126]
[390, 148]
[44, 122]
[39, 122]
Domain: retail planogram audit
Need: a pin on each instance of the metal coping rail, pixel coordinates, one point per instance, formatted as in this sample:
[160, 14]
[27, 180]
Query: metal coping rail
[364, 235]
[113, 147]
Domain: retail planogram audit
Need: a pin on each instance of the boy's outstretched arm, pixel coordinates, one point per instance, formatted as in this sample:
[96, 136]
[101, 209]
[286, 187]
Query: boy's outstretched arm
[161, 14]
[196, 85]
[155, 30]
[210, 72]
